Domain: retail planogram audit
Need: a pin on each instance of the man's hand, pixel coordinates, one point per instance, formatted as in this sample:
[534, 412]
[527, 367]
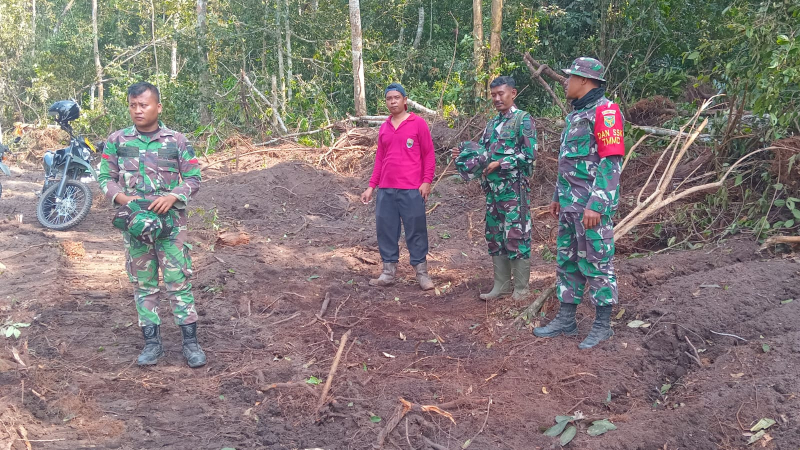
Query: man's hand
[494, 165]
[591, 219]
[162, 204]
[366, 196]
[555, 209]
[123, 199]
[454, 152]
[425, 190]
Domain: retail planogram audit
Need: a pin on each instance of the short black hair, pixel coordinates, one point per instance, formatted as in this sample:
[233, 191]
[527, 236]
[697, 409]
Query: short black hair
[504, 80]
[140, 88]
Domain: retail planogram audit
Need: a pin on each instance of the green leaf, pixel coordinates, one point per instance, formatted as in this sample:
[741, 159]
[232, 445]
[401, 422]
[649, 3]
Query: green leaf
[738, 180]
[782, 39]
[221, 397]
[756, 437]
[15, 332]
[670, 241]
[788, 224]
[600, 426]
[556, 429]
[313, 277]
[568, 435]
[763, 424]
[374, 419]
[796, 213]
[665, 388]
[780, 203]
[21, 325]
[766, 349]
[788, 300]
[638, 324]
[694, 55]
[313, 380]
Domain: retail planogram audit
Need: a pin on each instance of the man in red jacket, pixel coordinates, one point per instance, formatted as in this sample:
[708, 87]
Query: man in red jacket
[403, 172]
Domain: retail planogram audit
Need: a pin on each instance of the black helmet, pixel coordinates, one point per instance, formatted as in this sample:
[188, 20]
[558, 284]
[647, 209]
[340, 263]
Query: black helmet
[64, 111]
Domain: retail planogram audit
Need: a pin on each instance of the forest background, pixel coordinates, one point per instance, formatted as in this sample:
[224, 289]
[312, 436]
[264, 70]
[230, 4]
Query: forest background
[260, 68]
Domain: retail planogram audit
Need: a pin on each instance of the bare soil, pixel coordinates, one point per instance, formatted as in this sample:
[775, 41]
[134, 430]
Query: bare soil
[308, 236]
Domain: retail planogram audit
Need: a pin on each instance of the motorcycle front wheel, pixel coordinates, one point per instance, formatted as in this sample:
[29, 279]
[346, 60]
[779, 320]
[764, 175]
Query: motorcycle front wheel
[60, 213]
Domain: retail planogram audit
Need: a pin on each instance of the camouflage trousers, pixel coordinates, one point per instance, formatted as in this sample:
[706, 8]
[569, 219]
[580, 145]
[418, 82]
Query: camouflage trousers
[508, 220]
[142, 262]
[585, 257]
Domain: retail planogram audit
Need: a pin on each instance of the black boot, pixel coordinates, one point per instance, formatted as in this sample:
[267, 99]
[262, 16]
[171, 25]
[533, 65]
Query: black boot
[152, 346]
[601, 328]
[191, 350]
[564, 323]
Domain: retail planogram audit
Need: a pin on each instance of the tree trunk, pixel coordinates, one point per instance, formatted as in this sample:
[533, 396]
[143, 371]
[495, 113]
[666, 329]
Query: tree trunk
[153, 35]
[315, 5]
[279, 44]
[173, 69]
[96, 47]
[288, 50]
[402, 35]
[61, 17]
[477, 45]
[494, 41]
[430, 28]
[358, 62]
[420, 27]
[33, 27]
[205, 77]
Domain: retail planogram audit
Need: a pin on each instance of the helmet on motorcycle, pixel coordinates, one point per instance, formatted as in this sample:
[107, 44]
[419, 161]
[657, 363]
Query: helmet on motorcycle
[64, 110]
[144, 225]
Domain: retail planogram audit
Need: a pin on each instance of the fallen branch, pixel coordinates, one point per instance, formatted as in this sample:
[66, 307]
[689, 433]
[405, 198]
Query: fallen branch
[531, 311]
[402, 409]
[729, 335]
[696, 356]
[469, 441]
[420, 108]
[342, 342]
[264, 99]
[324, 305]
[290, 384]
[657, 131]
[433, 207]
[286, 319]
[780, 240]
[536, 70]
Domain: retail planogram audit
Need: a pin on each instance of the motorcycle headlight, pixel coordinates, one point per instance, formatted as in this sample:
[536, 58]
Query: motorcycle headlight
[86, 154]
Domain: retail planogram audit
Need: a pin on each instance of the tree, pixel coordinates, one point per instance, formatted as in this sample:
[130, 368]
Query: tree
[358, 62]
[494, 40]
[477, 45]
[202, 56]
[420, 25]
[98, 67]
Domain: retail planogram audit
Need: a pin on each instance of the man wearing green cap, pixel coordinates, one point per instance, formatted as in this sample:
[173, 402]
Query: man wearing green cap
[503, 159]
[152, 173]
[584, 202]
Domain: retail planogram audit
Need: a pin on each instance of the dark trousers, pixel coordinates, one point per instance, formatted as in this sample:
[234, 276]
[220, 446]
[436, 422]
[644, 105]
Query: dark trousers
[392, 206]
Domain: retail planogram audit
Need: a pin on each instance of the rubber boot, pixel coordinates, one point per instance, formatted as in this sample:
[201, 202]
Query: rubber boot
[387, 276]
[564, 323]
[191, 349]
[423, 278]
[521, 270]
[502, 278]
[601, 328]
[152, 346]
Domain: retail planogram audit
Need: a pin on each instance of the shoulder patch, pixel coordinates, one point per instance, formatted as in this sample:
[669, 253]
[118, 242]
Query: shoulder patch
[608, 131]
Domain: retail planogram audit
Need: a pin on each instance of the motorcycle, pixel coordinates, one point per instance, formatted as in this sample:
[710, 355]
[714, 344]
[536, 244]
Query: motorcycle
[66, 199]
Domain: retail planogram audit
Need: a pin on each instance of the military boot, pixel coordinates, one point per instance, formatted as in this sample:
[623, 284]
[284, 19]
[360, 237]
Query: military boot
[521, 269]
[152, 346]
[191, 350]
[502, 278]
[387, 276]
[564, 323]
[423, 278]
[601, 328]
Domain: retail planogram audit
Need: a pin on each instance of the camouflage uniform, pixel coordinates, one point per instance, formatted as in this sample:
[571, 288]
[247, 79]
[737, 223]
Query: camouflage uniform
[511, 139]
[588, 179]
[150, 167]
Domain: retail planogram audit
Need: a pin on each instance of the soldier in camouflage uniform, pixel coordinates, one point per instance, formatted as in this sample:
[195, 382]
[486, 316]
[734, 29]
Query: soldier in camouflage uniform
[504, 159]
[585, 200]
[149, 161]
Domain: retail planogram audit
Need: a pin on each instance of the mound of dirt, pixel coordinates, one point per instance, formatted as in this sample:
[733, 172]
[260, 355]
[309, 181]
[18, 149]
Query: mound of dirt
[652, 111]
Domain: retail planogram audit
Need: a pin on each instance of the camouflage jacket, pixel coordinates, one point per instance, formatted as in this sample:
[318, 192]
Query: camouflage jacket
[515, 149]
[134, 164]
[590, 159]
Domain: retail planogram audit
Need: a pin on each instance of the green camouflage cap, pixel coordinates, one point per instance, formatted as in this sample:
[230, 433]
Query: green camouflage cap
[470, 162]
[587, 68]
[143, 224]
